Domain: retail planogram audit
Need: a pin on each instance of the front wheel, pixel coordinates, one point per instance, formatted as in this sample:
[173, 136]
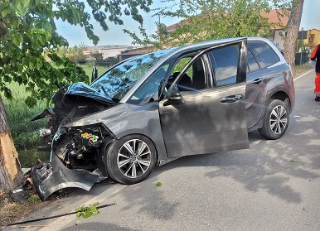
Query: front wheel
[131, 159]
[276, 120]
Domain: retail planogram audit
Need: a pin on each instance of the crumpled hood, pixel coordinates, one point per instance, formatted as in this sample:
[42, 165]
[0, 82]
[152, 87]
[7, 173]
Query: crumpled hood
[82, 89]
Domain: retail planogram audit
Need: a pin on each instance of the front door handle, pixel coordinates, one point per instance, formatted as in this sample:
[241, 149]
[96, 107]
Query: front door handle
[257, 81]
[231, 99]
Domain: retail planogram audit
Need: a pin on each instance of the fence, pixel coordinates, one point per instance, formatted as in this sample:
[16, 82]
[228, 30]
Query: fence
[305, 58]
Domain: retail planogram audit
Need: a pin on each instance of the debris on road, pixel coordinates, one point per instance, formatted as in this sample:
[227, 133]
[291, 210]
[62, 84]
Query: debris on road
[158, 183]
[30, 226]
[56, 216]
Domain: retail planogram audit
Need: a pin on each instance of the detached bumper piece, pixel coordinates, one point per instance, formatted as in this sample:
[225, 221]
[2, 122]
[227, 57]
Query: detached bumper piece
[51, 177]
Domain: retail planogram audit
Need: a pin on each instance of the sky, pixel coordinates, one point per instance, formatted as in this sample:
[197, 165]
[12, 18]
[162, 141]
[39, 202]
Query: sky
[115, 36]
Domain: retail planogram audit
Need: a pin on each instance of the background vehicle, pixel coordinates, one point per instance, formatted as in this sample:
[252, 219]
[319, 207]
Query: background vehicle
[196, 99]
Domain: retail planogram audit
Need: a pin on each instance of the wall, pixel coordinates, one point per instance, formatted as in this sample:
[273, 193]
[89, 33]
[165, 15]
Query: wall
[278, 40]
[313, 38]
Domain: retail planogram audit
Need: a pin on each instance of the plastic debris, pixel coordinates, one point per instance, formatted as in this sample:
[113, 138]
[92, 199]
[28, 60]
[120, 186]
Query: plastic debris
[18, 194]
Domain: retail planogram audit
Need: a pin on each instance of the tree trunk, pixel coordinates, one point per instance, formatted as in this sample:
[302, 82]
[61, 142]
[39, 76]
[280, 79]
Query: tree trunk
[292, 35]
[10, 170]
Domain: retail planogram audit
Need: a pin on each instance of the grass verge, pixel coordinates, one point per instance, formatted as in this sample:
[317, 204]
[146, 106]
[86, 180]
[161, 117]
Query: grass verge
[11, 211]
[303, 68]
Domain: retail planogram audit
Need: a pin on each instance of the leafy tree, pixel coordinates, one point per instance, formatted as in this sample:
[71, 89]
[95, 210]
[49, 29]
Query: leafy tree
[204, 20]
[27, 31]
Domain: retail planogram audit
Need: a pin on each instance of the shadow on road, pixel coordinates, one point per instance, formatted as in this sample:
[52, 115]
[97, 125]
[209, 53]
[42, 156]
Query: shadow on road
[97, 226]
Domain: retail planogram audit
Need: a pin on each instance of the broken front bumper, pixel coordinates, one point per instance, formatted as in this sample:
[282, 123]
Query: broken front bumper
[51, 177]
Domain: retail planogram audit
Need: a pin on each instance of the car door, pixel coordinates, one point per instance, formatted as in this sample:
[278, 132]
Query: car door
[256, 83]
[208, 118]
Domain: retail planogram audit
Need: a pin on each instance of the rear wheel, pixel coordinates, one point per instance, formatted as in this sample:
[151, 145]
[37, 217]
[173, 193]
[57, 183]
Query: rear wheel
[131, 159]
[276, 120]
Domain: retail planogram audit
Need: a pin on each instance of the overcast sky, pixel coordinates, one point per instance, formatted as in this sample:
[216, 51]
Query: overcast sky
[115, 36]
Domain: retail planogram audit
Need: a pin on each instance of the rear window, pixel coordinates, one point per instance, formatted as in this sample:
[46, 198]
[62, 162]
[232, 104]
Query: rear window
[264, 53]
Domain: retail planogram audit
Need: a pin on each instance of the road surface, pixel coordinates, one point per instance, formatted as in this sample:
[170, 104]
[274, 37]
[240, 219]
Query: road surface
[274, 185]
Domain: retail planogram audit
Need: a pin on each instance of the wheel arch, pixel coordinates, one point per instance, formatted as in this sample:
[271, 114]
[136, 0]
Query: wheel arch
[280, 95]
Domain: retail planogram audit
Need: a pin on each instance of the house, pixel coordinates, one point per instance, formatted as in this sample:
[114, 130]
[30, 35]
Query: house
[313, 38]
[279, 33]
[279, 18]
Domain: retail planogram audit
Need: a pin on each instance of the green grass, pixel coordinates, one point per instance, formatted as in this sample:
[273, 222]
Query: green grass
[25, 133]
[88, 69]
[303, 68]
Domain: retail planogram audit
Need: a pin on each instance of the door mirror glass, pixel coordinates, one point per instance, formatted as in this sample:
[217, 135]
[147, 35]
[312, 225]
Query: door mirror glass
[94, 74]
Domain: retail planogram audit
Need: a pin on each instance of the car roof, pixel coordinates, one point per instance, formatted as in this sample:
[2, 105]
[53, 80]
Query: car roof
[206, 44]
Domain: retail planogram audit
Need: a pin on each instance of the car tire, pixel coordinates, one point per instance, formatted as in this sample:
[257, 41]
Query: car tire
[131, 159]
[276, 120]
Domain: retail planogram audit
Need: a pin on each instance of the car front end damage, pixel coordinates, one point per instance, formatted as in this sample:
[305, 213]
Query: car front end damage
[77, 154]
[77, 159]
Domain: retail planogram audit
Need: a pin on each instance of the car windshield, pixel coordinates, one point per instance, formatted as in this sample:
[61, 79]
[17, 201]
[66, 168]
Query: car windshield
[116, 82]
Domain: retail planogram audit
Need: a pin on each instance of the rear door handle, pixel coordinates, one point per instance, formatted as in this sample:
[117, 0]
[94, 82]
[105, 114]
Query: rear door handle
[257, 81]
[231, 99]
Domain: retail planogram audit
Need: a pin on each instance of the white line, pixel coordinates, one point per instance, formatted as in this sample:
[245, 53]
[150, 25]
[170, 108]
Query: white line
[302, 75]
[63, 221]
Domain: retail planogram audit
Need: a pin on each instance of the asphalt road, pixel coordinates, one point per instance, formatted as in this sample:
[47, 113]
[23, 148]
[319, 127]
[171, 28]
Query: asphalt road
[274, 185]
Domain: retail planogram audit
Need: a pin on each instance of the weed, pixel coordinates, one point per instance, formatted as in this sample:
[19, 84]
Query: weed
[86, 212]
[33, 199]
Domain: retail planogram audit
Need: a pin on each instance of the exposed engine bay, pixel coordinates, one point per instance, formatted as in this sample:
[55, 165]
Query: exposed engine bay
[77, 153]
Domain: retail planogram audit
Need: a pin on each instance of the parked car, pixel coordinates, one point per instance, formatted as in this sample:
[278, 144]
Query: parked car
[152, 109]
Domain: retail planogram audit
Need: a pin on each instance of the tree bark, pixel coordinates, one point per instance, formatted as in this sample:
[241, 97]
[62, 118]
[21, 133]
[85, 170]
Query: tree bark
[292, 34]
[10, 169]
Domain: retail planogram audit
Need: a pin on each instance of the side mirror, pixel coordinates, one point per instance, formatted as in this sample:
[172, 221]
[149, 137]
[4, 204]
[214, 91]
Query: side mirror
[94, 74]
[173, 96]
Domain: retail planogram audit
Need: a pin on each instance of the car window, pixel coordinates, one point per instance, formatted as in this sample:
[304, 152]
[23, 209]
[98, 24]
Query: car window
[117, 81]
[252, 63]
[194, 78]
[225, 64]
[180, 65]
[149, 90]
[264, 53]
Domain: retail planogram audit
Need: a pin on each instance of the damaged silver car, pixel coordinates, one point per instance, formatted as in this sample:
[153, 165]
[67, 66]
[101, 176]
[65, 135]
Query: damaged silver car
[155, 108]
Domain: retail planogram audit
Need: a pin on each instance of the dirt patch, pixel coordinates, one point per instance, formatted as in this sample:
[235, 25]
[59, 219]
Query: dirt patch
[11, 211]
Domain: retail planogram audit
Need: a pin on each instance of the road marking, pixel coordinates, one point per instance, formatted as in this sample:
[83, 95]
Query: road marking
[302, 75]
[63, 221]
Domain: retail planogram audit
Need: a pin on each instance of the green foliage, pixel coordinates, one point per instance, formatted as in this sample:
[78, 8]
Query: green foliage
[158, 183]
[34, 199]
[29, 41]
[86, 212]
[211, 19]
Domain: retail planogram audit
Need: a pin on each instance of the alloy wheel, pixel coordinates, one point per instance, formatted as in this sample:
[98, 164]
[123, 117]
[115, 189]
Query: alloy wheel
[134, 158]
[278, 119]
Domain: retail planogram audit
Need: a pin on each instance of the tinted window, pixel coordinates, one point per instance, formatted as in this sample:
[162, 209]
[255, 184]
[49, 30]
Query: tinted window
[264, 53]
[252, 63]
[225, 64]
